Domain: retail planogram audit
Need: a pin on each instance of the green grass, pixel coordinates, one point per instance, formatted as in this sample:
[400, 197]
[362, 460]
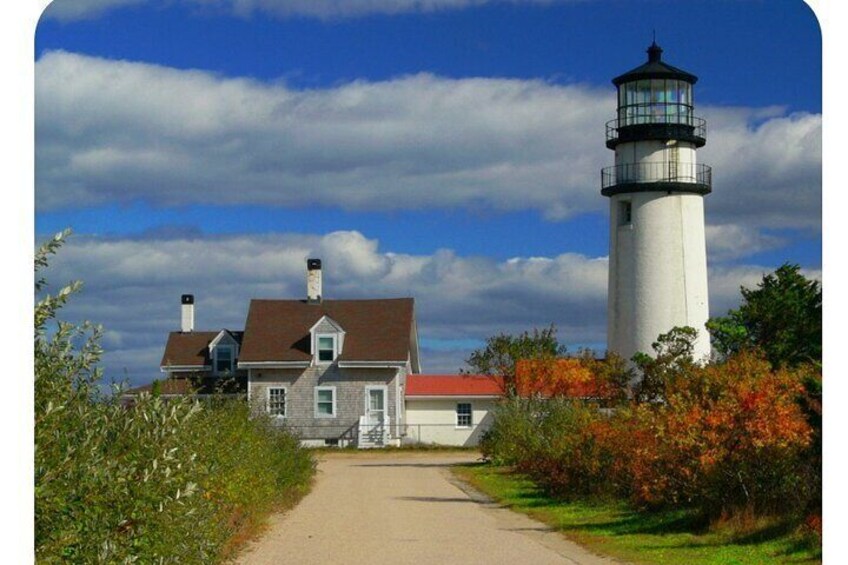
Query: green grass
[669, 537]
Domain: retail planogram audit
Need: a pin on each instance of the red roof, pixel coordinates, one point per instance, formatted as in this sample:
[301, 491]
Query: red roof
[453, 385]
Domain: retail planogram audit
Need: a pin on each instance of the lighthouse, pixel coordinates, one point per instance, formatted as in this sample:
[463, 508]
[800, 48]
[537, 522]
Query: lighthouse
[657, 254]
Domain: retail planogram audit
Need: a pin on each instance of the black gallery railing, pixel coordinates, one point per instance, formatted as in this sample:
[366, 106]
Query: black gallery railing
[656, 172]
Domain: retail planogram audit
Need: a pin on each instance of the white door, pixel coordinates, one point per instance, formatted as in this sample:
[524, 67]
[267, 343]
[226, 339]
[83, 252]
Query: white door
[374, 433]
[375, 406]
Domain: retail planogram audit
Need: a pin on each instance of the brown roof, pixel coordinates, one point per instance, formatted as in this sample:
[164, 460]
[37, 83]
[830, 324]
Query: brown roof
[375, 330]
[190, 349]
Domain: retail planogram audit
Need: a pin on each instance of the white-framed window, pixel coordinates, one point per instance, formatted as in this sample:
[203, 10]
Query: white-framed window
[463, 415]
[277, 401]
[326, 348]
[325, 402]
[224, 358]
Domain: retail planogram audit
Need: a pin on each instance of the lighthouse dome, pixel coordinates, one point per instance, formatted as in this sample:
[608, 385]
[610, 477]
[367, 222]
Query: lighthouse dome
[655, 68]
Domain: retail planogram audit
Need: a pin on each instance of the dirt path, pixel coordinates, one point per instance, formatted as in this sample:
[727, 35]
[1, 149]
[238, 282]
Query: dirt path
[375, 508]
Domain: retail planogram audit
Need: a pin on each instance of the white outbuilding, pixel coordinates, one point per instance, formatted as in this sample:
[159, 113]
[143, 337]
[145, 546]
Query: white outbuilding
[450, 409]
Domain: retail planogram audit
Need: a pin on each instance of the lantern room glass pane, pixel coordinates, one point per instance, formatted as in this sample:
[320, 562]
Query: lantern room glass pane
[657, 91]
[685, 115]
[673, 91]
[643, 92]
[685, 93]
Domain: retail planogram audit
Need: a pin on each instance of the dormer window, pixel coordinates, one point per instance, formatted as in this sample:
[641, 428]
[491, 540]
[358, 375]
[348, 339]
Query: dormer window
[327, 341]
[223, 353]
[224, 359]
[326, 348]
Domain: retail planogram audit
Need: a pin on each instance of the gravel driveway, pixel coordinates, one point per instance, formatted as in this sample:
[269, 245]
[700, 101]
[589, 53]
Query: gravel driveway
[377, 507]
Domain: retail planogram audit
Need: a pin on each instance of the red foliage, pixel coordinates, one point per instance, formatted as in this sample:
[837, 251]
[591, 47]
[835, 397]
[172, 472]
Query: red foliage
[563, 377]
[814, 523]
[728, 436]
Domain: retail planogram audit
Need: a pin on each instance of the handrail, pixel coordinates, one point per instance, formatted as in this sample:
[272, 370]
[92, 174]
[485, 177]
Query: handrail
[656, 172]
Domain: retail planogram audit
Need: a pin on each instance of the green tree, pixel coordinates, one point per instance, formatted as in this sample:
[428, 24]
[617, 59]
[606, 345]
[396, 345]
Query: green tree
[499, 356]
[782, 317]
[673, 359]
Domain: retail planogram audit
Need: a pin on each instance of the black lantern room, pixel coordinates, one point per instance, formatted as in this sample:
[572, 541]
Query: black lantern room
[655, 101]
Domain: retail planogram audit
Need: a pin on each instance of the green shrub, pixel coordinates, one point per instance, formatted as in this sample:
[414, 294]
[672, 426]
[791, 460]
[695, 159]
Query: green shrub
[513, 437]
[552, 441]
[154, 482]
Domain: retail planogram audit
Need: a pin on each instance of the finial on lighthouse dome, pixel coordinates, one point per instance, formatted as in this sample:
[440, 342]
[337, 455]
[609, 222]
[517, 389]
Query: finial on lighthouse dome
[654, 53]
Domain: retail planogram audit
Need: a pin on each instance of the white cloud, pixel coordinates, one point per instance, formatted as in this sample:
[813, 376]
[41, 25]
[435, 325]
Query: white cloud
[729, 241]
[766, 170]
[132, 287]
[69, 10]
[117, 131]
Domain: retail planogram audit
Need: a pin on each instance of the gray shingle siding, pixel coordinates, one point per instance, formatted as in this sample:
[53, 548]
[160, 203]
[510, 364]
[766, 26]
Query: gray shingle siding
[350, 387]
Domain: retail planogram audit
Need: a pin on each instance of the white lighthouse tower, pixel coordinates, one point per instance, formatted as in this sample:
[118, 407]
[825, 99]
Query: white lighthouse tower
[657, 260]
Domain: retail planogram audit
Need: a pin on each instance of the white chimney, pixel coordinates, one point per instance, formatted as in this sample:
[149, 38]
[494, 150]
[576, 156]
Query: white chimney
[187, 318]
[313, 281]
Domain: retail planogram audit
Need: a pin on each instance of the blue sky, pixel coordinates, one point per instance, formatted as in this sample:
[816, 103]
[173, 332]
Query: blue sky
[444, 149]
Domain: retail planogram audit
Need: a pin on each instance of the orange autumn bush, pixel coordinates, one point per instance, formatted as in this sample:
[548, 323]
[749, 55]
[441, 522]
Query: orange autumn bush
[723, 438]
[754, 435]
[583, 377]
[727, 437]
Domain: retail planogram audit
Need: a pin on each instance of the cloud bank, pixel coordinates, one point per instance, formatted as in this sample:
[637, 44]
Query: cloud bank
[116, 131]
[132, 287]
